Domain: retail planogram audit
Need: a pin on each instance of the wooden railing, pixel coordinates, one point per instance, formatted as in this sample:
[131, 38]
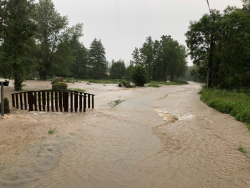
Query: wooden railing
[49, 100]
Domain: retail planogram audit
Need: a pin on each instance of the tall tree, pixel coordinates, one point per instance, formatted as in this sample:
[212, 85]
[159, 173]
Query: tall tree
[17, 32]
[66, 54]
[118, 69]
[50, 27]
[147, 56]
[137, 57]
[97, 60]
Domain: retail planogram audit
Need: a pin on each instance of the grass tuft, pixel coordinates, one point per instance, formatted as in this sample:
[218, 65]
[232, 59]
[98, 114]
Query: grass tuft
[115, 103]
[51, 131]
[241, 149]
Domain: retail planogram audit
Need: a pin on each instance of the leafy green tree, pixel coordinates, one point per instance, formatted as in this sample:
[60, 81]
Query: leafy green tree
[80, 68]
[137, 57]
[3, 15]
[118, 69]
[97, 60]
[219, 44]
[17, 31]
[129, 69]
[162, 59]
[147, 56]
[140, 75]
[68, 48]
[50, 28]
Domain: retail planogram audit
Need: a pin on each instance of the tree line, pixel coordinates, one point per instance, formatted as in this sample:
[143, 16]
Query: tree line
[219, 44]
[36, 41]
[164, 60]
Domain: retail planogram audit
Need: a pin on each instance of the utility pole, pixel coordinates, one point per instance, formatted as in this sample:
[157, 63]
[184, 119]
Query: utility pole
[211, 48]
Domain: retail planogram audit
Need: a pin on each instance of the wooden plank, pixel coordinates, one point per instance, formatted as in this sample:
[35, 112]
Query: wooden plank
[21, 101]
[93, 101]
[60, 101]
[30, 100]
[56, 100]
[35, 100]
[80, 107]
[66, 101]
[25, 100]
[48, 101]
[71, 101]
[43, 100]
[52, 101]
[39, 101]
[17, 106]
[13, 100]
[76, 101]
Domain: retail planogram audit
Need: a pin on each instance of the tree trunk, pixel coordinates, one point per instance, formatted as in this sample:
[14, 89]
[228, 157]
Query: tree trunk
[18, 80]
[172, 77]
[43, 75]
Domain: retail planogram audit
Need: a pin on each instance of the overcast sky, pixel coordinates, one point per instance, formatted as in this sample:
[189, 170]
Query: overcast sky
[123, 25]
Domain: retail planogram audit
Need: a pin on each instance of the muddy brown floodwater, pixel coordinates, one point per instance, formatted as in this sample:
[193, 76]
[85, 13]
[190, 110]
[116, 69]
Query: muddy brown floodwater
[156, 137]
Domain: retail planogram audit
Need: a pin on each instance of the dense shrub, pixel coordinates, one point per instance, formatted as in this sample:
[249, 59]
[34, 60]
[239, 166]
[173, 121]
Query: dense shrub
[127, 84]
[59, 86]
[139, 75]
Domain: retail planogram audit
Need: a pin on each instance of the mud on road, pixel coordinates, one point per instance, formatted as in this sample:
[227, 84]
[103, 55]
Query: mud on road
[156, 137]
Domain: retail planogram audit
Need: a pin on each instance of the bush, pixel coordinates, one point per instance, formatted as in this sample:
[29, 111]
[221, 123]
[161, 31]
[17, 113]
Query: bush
[127, 84]
[139, 75]
[6, 106]
[59, 86]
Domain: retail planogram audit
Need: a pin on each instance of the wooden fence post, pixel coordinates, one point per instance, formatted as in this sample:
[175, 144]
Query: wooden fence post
[66, 101]
[21, 101]
[93, 101]
[13, 100]
[30, 100]
[25, 100]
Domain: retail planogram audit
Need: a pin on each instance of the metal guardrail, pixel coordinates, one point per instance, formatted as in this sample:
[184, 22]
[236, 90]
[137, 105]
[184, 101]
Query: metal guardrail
[50, 100]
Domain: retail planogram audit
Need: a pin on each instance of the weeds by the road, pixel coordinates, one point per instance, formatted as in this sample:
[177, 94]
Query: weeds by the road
[241, 149]
[229, 102]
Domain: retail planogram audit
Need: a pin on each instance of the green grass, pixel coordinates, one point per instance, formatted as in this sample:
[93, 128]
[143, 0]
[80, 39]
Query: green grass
[154, 83]
[229, 102]
[51, 131]
[115, 103]
[110, 81]
[241, 149]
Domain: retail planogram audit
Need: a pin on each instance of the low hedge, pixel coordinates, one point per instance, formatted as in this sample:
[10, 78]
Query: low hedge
[59, 86]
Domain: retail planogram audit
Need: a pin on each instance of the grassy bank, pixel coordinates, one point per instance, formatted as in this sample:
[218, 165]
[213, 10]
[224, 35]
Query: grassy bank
[158, 84]
[229, 102]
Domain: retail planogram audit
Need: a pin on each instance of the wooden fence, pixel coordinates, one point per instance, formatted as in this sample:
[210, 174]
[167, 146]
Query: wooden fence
[49, 100]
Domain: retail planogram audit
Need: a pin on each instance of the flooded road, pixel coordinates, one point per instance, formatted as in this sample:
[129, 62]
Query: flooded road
[156, 137]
